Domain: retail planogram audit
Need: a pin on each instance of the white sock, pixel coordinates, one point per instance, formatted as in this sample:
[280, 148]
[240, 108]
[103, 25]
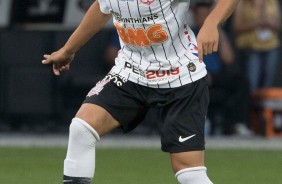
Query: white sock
[80, 159]
[193, 175]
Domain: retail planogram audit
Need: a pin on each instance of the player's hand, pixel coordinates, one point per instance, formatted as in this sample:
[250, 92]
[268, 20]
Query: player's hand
[60, 59]
[207, 40]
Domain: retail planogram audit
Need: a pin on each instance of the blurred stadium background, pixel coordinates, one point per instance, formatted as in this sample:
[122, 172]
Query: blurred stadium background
[36, 108]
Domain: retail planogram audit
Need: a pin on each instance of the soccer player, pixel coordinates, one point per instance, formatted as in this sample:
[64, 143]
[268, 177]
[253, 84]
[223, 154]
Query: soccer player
[159, 65]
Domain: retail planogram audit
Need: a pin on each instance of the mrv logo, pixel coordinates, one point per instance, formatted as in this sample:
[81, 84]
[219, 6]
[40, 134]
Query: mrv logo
[152, 74]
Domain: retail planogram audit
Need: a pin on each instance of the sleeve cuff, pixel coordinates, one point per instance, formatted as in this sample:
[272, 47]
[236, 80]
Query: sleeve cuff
[103, 7]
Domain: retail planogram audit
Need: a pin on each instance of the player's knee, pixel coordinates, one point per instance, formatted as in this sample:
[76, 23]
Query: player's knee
[195, 175]
[189, 159]
[99, 119]
[80, 128]
[81, 149]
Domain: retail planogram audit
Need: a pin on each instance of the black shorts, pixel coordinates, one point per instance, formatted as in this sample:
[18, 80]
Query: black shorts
[180, 111]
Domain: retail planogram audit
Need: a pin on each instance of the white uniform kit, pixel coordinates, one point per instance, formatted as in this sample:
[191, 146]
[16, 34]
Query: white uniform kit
[158, 48]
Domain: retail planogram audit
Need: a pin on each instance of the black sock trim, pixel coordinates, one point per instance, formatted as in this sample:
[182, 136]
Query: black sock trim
[76, 180]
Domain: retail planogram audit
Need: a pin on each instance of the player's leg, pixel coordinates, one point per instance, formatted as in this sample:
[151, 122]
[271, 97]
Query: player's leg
[118, 103]
[182, 131]
[189, 167]
[90, 123]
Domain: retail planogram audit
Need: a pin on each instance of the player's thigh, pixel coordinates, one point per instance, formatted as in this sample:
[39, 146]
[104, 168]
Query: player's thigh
[187, 159]
[100, 119]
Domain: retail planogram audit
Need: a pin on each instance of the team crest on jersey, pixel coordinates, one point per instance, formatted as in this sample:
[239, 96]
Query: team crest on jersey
[115, 78]
[191, 67]
[147, 2]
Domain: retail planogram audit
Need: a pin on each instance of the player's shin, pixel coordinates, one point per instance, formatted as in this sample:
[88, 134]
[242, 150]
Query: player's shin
[79, 164]
[194, 175]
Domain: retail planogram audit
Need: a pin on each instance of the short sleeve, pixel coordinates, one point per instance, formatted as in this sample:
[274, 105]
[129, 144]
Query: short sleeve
[104, 7]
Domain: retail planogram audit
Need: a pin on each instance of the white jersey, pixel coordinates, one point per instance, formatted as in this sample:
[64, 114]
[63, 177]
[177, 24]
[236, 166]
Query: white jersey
[158, 48]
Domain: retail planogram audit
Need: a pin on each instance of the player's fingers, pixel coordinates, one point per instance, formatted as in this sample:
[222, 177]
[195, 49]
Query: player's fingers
[200, 51]
[46, 59]
[205, 49]
[56, 70]
[210, 48]
[215, 47]
[67, 67]
[63, 68]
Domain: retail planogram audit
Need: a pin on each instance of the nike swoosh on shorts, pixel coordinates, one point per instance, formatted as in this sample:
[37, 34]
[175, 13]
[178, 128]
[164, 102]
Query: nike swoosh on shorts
[186, 138]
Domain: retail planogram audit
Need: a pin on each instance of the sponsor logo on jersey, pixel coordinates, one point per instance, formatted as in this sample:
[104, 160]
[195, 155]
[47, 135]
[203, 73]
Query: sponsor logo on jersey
[137, 20]
[142, 37]
[117, 79]
[152, 74]
[146, 2]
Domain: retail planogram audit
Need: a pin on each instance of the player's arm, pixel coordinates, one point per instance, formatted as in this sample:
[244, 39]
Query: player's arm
[208, 36]
[92, 22]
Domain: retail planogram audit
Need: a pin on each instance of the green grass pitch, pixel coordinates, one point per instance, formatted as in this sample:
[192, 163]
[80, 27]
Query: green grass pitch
[139, 166]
